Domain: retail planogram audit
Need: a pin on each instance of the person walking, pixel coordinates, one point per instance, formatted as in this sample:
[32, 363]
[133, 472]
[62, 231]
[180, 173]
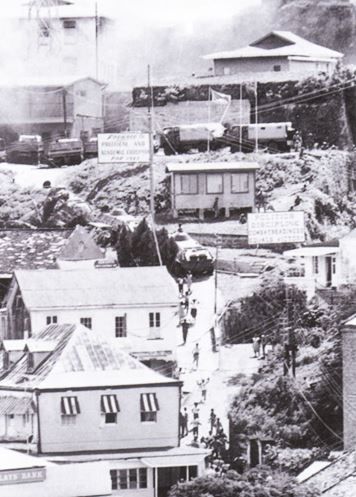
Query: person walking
[195, 427]
[195, 410]
[212, 420]
[180, 282]
[189, 281]
[204, 389]
[196, 353]
[194, 309]
[256, 346]
[185, 329]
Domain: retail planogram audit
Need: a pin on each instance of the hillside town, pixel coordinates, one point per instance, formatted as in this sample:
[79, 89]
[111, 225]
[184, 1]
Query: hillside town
[178, 249]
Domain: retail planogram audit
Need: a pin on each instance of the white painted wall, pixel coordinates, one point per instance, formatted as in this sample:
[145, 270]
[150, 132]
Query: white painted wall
[67, 480]
[89, 433]
[103, 322]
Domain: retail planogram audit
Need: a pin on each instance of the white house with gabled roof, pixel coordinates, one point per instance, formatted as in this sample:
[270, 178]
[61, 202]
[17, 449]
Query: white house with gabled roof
[135, 306]
[83, 399]
[277, 51]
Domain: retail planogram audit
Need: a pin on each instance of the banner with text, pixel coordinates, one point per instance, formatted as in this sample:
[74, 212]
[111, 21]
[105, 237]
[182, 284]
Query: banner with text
[275, 227]
[123, 147]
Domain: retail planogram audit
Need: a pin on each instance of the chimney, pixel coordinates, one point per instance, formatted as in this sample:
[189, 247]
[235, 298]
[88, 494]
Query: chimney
[349, 382]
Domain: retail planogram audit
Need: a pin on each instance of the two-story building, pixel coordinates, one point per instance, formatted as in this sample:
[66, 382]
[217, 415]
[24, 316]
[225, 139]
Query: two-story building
[53, 107]
[324, 269]
[276, 52]
[212, 186]
[77, 396]
[135, 306]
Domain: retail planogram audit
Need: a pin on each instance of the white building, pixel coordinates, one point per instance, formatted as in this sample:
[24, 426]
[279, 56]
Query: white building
[276, 52]
[136, 306]
[74, 38]
[75, 396]
[324, 268]
[28, 476]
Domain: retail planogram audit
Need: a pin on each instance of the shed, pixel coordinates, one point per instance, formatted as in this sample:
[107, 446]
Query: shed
[213, 186]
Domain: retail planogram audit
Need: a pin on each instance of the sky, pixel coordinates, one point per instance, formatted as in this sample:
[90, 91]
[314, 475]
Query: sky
[155, 13]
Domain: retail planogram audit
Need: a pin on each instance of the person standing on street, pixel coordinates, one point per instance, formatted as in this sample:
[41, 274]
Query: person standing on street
[185, 328]
[195, 427]
[181, 312]
[218, 426]
[212, 419]
[196, 353]
[193, 309]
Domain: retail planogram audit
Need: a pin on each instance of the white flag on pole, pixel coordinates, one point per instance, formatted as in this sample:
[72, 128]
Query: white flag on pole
[220, 98]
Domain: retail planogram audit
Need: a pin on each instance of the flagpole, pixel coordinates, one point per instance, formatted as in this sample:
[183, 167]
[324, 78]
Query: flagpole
[209, 117]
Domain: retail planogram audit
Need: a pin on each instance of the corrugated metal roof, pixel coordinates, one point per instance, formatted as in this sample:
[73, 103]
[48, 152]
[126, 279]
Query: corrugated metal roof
[294, 46]
[15, 405]
[30, 248]
[104, 287]
[212, 167]
[80, 359]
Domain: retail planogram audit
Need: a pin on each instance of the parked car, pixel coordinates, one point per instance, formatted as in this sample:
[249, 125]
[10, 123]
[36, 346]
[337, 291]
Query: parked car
[191, 256]
[91, 148]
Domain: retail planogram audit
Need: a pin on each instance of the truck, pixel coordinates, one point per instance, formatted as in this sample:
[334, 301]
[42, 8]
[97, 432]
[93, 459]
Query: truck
[185, 137]
[28, 149]
[65, 151]
[276, 137]
[191, 256]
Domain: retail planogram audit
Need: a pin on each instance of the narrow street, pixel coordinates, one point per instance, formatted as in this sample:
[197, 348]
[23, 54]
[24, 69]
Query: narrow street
[219, 367]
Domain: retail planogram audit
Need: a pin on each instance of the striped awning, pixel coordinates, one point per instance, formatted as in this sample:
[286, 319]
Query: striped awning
[109, 404]
[149, 402]
[70, 406]
[16, 405]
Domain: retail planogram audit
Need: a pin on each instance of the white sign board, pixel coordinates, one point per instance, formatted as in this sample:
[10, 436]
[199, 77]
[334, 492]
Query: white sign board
[275, 227]
[123, 147]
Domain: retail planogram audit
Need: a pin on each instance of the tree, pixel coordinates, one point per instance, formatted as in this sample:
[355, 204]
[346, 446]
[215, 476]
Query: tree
[257, 482]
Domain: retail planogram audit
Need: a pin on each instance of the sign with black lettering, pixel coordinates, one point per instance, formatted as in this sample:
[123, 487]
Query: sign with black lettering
[275, 227]
[123, 147]
[18, 476]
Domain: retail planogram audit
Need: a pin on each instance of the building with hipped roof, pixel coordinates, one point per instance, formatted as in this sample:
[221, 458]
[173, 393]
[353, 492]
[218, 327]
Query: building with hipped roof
[135, 306]
[75, 396]
[277, 51]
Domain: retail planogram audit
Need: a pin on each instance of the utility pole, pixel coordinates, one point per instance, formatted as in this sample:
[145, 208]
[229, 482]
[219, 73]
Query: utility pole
[256, 117]
[152, 185]
[240, 131]
[64, 104]
[96, 41]
[218, 242]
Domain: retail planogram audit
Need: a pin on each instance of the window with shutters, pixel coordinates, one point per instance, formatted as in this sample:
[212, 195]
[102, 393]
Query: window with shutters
[121, 326]
[149, 407]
